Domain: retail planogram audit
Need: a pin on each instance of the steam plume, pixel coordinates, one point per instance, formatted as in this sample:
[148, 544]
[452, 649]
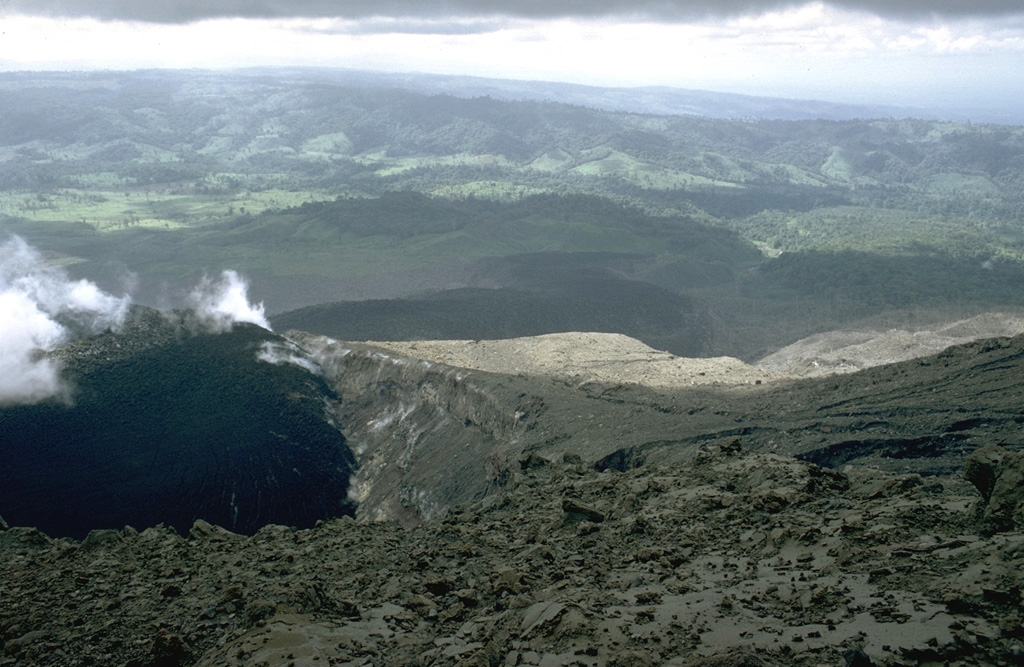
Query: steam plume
[40, 309]
[220, 303]
[287, 353]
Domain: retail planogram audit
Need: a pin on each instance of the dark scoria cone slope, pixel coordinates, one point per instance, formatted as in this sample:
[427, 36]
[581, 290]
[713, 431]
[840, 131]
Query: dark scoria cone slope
[527, 295]
[168, 425]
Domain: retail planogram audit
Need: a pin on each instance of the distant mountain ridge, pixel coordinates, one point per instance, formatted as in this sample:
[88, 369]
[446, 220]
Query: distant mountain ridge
[658, 100]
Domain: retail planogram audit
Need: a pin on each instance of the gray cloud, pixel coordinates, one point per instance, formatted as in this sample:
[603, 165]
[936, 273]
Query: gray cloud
[184, 11]
[412, 26]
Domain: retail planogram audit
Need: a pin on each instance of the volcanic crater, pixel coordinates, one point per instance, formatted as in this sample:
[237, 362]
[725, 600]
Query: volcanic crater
[167, 422]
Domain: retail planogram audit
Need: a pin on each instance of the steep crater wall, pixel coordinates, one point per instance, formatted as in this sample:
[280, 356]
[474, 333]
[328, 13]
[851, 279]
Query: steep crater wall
[430, 436]
[427, 436]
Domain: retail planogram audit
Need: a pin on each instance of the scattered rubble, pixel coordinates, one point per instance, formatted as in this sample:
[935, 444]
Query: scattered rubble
[732, 558]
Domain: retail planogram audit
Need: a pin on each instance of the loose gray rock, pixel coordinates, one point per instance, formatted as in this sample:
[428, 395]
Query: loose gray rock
[998, 475]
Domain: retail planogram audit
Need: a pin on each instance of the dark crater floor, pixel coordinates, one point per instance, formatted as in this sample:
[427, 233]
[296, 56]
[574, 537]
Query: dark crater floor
[170, 424]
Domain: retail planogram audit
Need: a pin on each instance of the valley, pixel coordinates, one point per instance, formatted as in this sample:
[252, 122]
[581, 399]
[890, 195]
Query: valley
[344, 188]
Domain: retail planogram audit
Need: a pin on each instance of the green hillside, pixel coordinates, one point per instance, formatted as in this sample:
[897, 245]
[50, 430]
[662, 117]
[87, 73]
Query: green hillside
[324, 191]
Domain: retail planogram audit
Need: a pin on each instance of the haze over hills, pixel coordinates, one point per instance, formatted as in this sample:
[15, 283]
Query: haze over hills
[659, 100]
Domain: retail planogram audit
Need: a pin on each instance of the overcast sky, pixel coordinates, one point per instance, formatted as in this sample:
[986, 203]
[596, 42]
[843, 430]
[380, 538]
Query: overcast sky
[911, 52]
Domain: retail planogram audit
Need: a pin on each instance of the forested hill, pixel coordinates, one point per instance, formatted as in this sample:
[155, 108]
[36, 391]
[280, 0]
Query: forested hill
[224, 130]
[69, 140]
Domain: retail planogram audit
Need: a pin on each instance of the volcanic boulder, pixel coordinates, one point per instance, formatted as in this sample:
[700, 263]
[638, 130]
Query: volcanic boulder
[998, 475]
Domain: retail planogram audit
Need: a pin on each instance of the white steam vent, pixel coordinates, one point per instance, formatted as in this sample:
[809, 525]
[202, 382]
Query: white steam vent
[41, 308]
[287, 353]
[221, 303]
[36, 302]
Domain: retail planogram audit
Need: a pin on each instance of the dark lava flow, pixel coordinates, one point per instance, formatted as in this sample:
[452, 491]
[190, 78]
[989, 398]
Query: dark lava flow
[170, 425]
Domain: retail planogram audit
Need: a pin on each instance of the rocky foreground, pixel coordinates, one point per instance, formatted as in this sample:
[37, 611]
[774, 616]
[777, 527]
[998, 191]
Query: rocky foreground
[732, 558]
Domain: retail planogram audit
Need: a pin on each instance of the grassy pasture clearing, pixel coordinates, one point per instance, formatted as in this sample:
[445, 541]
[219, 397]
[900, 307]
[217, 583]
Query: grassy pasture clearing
[107, 210]
[385, 165]
[877, 230]
[496, 190]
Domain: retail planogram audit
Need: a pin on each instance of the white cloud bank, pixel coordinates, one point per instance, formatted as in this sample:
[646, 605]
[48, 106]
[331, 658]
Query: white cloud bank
[816, 49]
